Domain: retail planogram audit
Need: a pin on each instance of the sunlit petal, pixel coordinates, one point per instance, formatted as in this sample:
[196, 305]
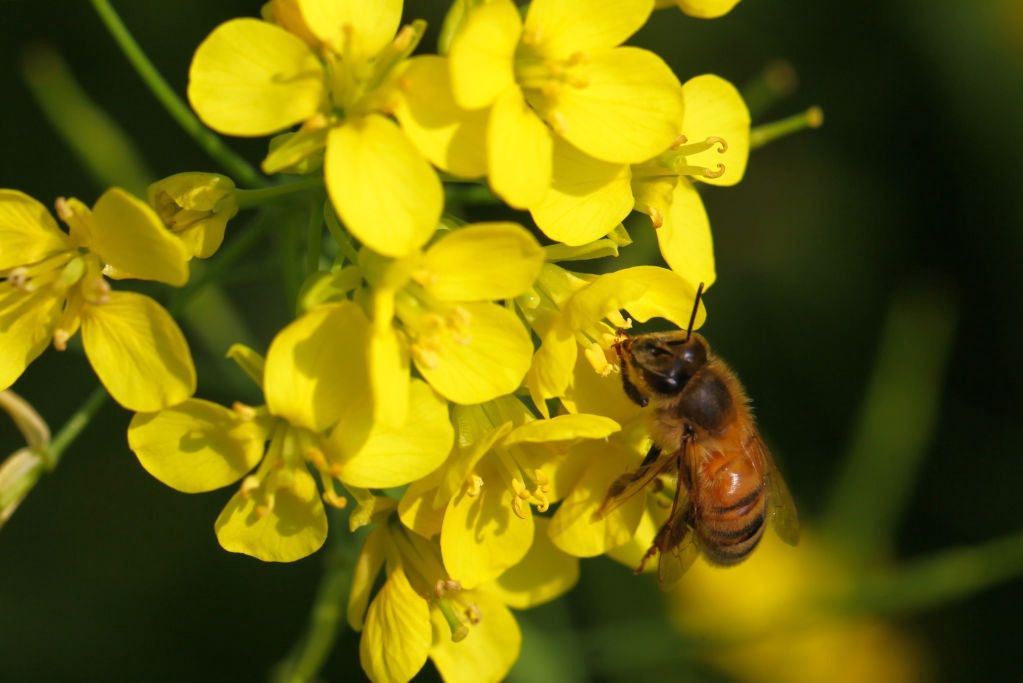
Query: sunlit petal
[685, 238]
[138, 352]
[487, 652]
[396, 640]
[28, 232]
[27, 322]
[482, 54]
[543, 574]
[565, 27]
[714, 108]
[252, 78]
[519, 149]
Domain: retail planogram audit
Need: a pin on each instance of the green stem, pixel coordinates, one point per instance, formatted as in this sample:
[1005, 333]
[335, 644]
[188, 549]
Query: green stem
[236, 166]
[341, 238]
[75, 424]
[326, 618]
[248, 199]
[940, 579]
[896, 423]
[769, 132]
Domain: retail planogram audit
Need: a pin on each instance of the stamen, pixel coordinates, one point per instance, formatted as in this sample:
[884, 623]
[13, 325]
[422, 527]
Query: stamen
[474, 486]
[458, 629]
[63, 209]
[685, 169]
[18, 278]
[474, 614]
[60, 339]
[249, 485]
[444, 586]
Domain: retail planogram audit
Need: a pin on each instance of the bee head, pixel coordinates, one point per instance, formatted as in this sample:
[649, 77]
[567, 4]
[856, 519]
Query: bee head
[665, 362]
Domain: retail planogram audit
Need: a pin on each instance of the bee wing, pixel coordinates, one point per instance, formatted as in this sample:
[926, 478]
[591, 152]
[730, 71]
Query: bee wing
[629, 484]
[676, 561]
[781, 509]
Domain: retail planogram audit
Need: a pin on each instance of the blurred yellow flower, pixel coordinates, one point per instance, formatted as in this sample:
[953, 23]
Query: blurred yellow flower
[702, 9]
[332, 67]
[422, 611]
[53, 284]
[315, 415]
[196, 207]
[559, 74]
[768, 620]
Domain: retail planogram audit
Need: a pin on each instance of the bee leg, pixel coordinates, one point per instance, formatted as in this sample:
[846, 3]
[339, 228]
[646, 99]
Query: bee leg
[646, 558]
[651, 456]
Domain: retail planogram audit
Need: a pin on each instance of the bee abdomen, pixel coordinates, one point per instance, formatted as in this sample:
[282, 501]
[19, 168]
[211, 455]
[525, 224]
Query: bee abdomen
[729, 534]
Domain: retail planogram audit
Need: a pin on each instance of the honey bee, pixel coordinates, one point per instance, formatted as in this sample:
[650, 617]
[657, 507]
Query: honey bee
[702, 431]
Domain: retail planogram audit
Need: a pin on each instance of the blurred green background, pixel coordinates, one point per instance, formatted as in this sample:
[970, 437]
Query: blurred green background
[887, 241]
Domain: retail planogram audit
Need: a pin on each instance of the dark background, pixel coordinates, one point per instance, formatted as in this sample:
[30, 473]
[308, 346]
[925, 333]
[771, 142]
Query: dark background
[914, 182]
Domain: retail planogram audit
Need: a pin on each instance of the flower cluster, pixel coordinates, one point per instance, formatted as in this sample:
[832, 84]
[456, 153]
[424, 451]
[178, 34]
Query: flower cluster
[446, 383]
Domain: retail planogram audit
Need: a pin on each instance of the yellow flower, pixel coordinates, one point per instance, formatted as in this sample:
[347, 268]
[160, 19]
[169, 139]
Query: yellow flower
[589, 197]
[561, 75]
[570, 314]
[423, 611]
[333, 67]
[54, 284]
[702, 9]
[767, 612]
[196, 207]
[437, 307]
[315, 415]
[504, 464]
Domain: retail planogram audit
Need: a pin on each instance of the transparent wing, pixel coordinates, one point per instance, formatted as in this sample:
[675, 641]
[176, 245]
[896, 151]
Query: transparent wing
[676, 561]
[781, 509]
[629, 484]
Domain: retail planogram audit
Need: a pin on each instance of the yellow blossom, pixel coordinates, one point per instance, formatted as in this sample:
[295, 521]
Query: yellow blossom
[771, 615]
[332, 67]
[702, 9]
[560, 75]
[422, 611]
[505, 463]
[196, 207]
[53, 285]
[315, 415]
[589, 197]
[437, 309]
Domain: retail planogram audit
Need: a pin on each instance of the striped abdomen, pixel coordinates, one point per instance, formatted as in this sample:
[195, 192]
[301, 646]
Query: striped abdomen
[731, 510]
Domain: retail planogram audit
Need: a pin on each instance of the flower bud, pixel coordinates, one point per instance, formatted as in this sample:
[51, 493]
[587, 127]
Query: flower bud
[19, 473]
[196, 208]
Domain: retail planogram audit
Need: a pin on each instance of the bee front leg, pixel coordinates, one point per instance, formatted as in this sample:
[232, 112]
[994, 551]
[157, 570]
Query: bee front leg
[634, 394]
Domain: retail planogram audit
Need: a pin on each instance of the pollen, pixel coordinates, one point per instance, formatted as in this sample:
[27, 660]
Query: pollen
[474, 486]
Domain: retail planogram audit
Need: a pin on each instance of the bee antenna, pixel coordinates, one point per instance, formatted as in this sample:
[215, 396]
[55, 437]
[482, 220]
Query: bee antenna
[696, 307]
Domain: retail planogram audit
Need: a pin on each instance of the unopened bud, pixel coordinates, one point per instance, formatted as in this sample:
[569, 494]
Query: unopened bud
[196, 208]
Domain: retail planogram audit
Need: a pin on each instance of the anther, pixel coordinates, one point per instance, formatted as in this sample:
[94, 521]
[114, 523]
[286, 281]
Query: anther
[243, 411]
[249, 484]
[474, 486]
[473, 614]
[331, 498]
[716, 173]
[558, 122]
[18, 278]
[60, 339]
[63, 209]
[720, 142]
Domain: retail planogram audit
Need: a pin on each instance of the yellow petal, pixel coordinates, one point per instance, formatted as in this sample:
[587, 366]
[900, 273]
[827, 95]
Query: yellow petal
[316, 368]
[564, 27]
[653, 196]
[685, 238]
[489, 361]
[418, 510]
[28, 232]
[472, 446]
[631, 553]
[482, 54]
[715, 108]
[354, 28]
[551, 371]
[196, 207]
[196, 446]
[562, 428]
[367, 566]
[138, 352]
[252, 78]
[294, 528]
[487, 652]
[706, 9]
[389, 374]
[373, 455]
[128, 235]
[587, 197]
[482, 536]
[385, 192]
[482, 262]
[573, 528]
[452, 138]
[629, 111]
[596, 394]
[396, 640]
[519, 150]
[544, 574]
[644, 291]
[27, 322]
